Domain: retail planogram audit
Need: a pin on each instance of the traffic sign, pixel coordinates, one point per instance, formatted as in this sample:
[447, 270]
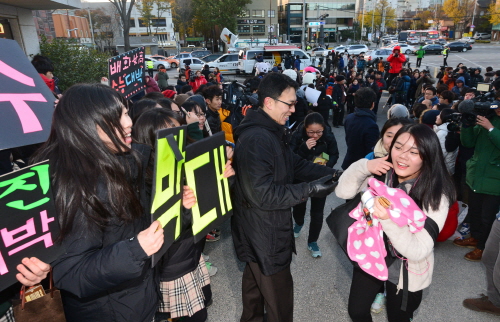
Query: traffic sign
[472, 26]
[316, 23]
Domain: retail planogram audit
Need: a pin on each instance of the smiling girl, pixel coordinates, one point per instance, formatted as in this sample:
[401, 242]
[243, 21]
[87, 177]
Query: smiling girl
[416, 165]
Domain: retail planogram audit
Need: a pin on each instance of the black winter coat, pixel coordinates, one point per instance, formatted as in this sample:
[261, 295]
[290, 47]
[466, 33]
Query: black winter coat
[361, 135]
[213, 119]
[265, 169]
[325, 144]
[106, 275]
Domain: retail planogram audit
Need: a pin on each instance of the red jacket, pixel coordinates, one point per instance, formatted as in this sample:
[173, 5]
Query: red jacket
[396, 62]
[198, 81]
[50, 82]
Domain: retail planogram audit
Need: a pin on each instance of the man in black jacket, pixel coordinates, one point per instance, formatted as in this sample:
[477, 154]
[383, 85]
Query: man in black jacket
[213, 98]
[264, 194]
[361, 129]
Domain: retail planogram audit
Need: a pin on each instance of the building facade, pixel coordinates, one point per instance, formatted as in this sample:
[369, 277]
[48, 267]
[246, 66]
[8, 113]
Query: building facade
[258, 22]
[341, 16]
[17, 23]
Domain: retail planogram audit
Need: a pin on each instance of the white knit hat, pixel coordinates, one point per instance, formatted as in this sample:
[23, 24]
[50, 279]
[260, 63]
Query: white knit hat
[290, 73]
[308, 79]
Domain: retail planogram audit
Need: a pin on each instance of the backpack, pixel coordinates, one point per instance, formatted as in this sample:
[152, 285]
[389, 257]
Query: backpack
[329, 88]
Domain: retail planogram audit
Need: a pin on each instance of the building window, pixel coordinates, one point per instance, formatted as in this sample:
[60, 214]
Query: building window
[244, 14]
[270, 13]
[142, 22]
[259, 28]
[244, 29]
[295, 21]
[132, 22]
[295, 7]
[159, 22]
[258, 13]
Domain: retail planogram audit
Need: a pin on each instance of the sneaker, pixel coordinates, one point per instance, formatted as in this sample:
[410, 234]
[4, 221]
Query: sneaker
[205, 257]
[212, 270]
[212, 237]
[313, 247]
[464, 230]
[379, 303]
[481, 304]
[215, 231]
[296, 230]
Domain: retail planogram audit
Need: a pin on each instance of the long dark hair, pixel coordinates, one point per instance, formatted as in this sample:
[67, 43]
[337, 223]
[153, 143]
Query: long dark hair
[93, 185]
[433, 180]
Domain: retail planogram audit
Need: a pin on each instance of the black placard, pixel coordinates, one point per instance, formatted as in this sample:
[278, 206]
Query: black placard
[126, 72]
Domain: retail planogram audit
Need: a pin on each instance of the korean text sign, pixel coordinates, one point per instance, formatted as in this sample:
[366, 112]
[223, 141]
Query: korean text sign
[126, 72]
[28, 226]
[199, 166]
[26, 103]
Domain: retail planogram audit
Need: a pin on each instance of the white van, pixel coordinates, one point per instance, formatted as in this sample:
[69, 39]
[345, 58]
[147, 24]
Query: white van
[225, 63]
[274, 55]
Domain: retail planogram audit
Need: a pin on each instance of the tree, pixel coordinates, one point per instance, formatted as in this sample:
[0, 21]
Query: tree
[124, 12]
[162, 6]
[459, 11]
[424, 16]
[74, 63]
[210, 14]
[104, 25]
[182, 15]
[145, 8]
[383, 13]
[494, 13]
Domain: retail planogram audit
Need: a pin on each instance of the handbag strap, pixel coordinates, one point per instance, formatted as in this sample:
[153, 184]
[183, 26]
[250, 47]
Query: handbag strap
[51, 285]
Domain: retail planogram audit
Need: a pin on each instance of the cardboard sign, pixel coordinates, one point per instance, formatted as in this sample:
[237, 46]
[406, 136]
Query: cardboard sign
[202, 163]
[26, 103]
[27, 220]
[126, 72]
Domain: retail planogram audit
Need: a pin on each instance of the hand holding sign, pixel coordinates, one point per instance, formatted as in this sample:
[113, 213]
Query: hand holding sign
[32, 271]
[151, 239]
[188, 198]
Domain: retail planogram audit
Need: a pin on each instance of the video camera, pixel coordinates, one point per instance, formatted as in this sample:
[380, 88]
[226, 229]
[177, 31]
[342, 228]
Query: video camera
[234, 97]
[482, 105]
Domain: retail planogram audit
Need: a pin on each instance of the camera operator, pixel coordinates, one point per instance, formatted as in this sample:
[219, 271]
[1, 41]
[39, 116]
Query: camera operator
[483, 179]
[476, 77]
[396, 59]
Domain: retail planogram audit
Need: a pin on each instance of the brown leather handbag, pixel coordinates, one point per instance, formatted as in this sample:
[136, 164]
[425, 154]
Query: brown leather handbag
[46, 308]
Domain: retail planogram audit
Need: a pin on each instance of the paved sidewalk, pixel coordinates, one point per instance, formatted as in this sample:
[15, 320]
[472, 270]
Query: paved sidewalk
[322, 285]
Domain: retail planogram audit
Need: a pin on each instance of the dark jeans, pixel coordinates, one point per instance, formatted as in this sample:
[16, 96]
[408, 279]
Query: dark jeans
[338, 115]
[317, 208]
[375, 108]
[275, 292]
[365, 287]
[419, 61]
[482, 211]
[445, 63]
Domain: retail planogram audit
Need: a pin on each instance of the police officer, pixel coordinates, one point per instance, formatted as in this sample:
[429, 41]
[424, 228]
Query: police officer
[150, 66]
[445, 53]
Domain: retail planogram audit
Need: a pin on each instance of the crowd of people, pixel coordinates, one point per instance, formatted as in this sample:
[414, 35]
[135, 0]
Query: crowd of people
[283, 152]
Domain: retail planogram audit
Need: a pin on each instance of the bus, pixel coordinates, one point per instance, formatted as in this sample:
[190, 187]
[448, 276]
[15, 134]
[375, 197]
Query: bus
[272, 54]
[418, 36]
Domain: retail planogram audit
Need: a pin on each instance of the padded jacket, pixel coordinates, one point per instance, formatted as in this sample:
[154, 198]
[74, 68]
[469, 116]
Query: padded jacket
[105, 275]
[264, 193]
[325, 144]
[396, 62]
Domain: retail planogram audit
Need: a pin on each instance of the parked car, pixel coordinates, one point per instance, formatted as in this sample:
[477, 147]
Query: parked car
[459, 46]
[405, 48]
[340, 49]
[211, 57]
[440, 41]
[413, 41]
[469, 40]
[318, 51]
[194, 63]
[173, 63]
[372, 55]
[156, 63]
[226, 63]
[357, 49]
[200, 53]
[433, 49]
[482, 35]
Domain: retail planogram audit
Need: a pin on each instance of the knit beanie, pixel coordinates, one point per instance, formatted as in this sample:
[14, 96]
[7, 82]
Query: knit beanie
[398, 110]
[169, 93]
[180, 99]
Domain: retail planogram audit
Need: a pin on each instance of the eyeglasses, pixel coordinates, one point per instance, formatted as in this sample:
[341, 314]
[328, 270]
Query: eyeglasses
[315, 132]
[200, 115]
[290, 105]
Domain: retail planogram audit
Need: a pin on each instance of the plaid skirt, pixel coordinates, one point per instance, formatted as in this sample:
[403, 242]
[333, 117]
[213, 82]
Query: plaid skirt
[8, 316]
[184, 296]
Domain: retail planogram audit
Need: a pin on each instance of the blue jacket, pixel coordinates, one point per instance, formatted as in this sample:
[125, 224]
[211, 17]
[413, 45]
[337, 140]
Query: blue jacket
[296, 64]
[403, 84]
[434, 100]
[361, 64]
[341, 63]
[361, 135]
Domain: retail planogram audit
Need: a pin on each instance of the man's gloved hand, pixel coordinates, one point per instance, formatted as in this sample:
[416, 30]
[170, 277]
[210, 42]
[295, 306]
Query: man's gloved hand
[322, 187]
[337, 175]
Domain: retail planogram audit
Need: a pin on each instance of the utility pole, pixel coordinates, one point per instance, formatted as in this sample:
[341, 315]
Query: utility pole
[373, 18]
[303, 24]
[362, 19]
[473, 15]
[91, 27]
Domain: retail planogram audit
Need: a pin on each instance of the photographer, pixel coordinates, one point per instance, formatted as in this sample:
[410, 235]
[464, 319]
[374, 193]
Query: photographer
[197, 80]
[483, 179]
[396, 59]
[448, 78]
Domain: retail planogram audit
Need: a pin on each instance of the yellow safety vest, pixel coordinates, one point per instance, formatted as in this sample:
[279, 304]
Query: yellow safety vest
[149, 64]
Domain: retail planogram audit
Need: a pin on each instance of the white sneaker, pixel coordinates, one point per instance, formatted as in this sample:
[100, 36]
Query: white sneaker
[205, 257]
[379, 303]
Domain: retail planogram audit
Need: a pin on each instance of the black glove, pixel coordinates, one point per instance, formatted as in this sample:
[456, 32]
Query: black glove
[337, 175]
[322, 187]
